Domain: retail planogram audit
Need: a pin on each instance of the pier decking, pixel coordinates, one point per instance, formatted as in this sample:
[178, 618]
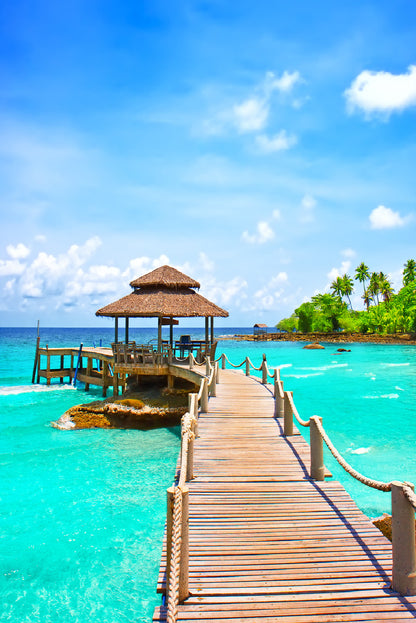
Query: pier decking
[266, 542]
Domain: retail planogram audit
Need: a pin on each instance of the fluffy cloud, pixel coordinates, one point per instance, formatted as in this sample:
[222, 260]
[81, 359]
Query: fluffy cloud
[382, 92]
[263, 234]
[278, 142]
[385, 218]
[267, 297]
[251, 115]
[19, 252]
[338, 272]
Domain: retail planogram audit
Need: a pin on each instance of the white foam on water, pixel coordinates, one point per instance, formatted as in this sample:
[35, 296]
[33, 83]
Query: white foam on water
[285, 365]
[395, 365]
[400, 389]
[359, 450]
[14, 390]
[328, 367]
[303, 376]
[389, 396]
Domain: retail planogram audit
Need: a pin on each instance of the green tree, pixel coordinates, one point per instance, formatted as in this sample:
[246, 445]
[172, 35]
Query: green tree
[386, 289]
[374, 286]
[337, 287]
[331, 307]
[305, 314]
[348, 286]
[362, 274]
[288, 324]
[368, 297]
[409, 272]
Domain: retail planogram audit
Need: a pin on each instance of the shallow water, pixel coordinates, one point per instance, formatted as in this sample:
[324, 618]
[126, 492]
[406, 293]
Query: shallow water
[82, 512]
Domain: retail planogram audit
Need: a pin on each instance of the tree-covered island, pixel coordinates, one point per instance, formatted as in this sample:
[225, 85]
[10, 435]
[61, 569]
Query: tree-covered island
[386, 312]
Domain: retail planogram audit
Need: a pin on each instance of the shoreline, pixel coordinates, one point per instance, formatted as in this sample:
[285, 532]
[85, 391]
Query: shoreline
[332, 338]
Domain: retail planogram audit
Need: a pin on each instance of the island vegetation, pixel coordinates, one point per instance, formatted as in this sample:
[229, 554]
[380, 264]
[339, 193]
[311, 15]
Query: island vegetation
[386, 312]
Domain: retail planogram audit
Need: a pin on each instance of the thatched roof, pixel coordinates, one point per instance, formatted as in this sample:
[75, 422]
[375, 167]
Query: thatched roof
[162, 301]
[165, 276]
[164, 292]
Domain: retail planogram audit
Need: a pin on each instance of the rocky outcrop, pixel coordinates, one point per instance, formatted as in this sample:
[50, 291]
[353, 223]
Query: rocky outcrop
[314, 346]
[129, 411]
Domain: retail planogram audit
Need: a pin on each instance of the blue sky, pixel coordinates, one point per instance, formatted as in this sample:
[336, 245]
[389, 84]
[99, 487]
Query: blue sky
[261, 147]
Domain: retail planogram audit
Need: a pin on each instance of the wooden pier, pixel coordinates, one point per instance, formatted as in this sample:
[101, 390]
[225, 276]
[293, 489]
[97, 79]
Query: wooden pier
[266, 542]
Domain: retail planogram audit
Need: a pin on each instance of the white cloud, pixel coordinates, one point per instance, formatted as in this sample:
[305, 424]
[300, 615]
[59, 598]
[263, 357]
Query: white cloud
[348, 253]
[338, 272]
[11, 267]
[263, 234]
[251, 115]
[307, 205]
[385, 218]
[225, 292]
[382, 92]
[19, 252]
[278, 142]
[267, 297]
[285, 83]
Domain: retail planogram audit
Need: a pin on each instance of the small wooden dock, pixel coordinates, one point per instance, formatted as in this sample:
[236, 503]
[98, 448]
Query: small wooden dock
[266, 542]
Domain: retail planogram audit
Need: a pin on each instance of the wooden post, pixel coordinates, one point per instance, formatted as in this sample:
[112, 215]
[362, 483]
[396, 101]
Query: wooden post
[184, 567]
[317, 450]
[204, 397]
[105, 378]
[159, 335]
[223, 364]
[403, 541]
[247, 366]
[61, 378]
[36, 363]
[207, 366]
[170, 495]
[288, 415]
[116, 329]
[191, 361]
[264, 371]
[213, 384]
[127, 330]
[190, 460]
[212, 330]
[217, 372]
[48, 366]
[206, 334]
[279, 403]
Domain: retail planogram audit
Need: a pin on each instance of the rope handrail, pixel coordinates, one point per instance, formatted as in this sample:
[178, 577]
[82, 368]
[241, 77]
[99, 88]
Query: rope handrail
[375, 484]
[279, 385]
[173, 580]
[232, 364]
[410, 494]
[304, 423]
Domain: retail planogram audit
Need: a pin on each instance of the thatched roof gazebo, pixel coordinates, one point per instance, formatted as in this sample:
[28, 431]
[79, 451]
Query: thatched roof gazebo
[164, 293]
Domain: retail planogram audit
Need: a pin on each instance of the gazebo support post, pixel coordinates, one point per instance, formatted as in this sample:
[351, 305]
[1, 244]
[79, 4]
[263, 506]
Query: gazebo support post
[116, 329]
[171, 333]
[159, 335]
[206, 333]
[127, 330]
[212, 330]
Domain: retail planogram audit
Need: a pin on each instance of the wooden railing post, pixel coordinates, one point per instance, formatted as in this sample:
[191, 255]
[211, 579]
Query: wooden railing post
[170, 355]
[288, 415]
[190, 459]
[317, 450]
[264, 371]
[204, 397]
[191, 361]
[213, 384]
[223, 361]
[169, 527]
[207, 366]
[403, 541]
[247, 366]
[217, 372]
[184, 566]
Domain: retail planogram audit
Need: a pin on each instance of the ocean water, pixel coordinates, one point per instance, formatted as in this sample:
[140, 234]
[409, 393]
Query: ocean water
[82, 512]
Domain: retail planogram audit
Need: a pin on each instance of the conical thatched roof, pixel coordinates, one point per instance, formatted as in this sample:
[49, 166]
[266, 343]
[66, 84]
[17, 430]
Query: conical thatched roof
[165, 292]
[165, 276]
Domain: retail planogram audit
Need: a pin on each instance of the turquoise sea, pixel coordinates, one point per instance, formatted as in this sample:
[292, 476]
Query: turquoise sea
[82, 512]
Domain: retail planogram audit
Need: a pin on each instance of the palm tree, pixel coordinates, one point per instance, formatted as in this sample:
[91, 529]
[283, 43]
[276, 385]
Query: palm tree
[386, 289]
[374, 286]
[362, 274]
[368, 297]
[409, 272]
[348, 286]
[337, 287]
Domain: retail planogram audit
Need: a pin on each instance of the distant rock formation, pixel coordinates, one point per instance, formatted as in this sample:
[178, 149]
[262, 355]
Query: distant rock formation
[314, 346]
